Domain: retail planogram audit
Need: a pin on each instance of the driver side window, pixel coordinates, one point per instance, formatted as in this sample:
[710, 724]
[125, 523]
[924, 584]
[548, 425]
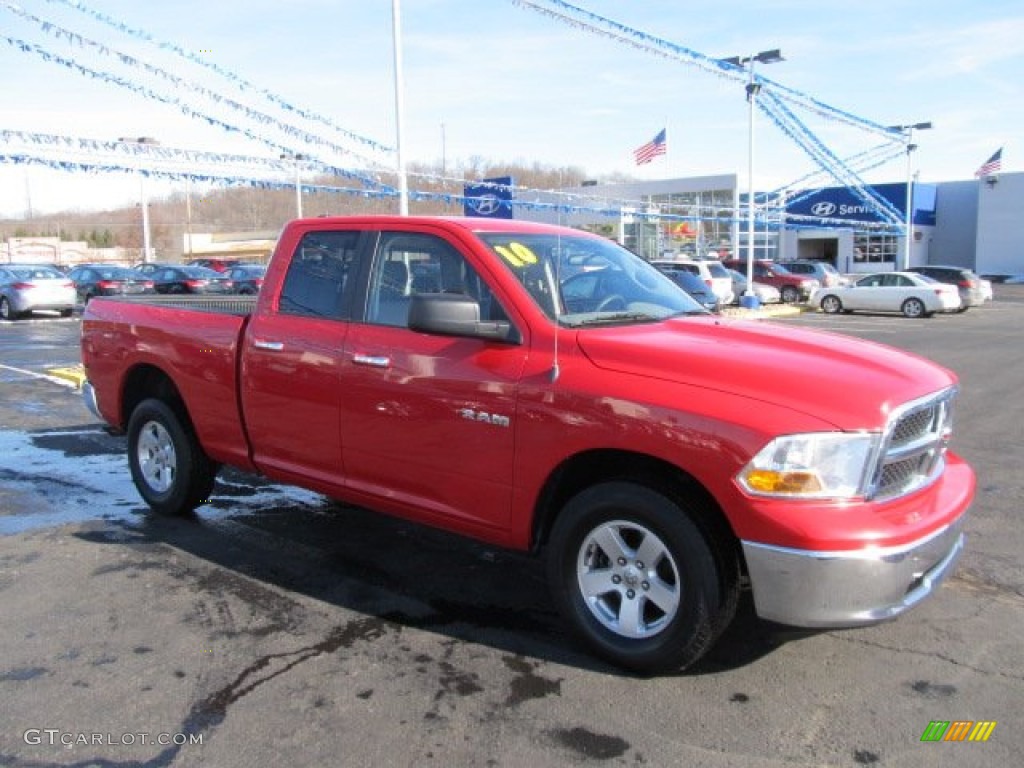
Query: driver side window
[408, 264]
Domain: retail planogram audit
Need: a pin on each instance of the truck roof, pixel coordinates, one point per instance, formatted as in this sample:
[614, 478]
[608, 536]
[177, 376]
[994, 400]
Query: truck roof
[473, 224]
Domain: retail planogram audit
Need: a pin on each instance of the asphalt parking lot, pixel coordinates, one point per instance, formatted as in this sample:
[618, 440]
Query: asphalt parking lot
[277, 629]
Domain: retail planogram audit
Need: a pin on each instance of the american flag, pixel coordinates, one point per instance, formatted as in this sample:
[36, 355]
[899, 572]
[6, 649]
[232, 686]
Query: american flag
[993, 165]
[651, 149]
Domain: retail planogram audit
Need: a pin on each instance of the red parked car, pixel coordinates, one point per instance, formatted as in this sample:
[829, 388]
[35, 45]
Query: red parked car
[792, 287]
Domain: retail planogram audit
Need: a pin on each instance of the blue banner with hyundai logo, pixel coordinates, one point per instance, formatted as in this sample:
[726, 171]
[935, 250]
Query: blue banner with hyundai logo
[839, 203]
[490, 198]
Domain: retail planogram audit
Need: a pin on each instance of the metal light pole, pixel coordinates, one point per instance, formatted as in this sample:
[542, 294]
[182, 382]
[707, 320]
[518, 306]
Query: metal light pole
[908, 236]
[298, 181]
[749, 299]
[403, 184]
[188, 214]
[146, 251]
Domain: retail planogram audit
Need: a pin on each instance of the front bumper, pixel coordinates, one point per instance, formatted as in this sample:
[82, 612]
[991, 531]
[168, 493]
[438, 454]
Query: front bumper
[849, 589]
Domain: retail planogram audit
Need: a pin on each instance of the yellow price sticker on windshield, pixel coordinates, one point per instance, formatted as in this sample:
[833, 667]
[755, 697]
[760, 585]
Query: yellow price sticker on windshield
[517, 254]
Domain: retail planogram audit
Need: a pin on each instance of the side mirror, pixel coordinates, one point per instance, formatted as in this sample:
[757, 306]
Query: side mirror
[456, 314]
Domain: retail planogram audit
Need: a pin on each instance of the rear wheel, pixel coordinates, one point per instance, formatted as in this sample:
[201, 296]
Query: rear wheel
[790, 295]
[168, 466]
[914, 308]
[6, 310]
[642, 584]
[831, 305]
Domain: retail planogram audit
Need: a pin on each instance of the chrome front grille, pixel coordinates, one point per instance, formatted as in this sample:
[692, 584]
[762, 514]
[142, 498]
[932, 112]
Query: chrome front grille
[913, 446]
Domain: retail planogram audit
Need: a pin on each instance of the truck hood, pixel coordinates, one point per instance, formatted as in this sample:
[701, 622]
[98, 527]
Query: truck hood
[847, 382]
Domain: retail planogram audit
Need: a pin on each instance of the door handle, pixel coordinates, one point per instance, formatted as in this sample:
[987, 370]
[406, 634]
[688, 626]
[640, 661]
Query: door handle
[271, 346]
[374, 361]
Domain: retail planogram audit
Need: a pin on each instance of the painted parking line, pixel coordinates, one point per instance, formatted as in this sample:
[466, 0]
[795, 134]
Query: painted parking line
[75, 374]
[66, 378]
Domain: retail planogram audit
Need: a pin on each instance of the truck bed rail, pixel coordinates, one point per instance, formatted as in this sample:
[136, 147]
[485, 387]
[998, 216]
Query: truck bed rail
[232, 305]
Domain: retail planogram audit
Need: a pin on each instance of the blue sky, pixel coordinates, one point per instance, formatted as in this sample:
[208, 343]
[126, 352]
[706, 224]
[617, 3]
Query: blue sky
[510, 84]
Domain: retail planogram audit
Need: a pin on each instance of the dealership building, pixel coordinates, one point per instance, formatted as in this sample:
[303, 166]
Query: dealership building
[972, 223]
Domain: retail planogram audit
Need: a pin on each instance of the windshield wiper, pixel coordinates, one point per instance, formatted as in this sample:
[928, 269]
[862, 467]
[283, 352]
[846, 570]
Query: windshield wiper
[618, 317]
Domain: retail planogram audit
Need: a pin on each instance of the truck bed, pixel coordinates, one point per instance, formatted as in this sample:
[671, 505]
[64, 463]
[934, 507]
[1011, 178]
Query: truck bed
[196, 337]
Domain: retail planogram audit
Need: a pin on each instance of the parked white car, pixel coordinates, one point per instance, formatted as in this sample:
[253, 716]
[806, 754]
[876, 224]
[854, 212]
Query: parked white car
[713, 273]
[986, 289]
[908, 292]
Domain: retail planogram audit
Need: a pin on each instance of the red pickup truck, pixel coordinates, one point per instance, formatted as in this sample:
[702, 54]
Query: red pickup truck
[544, 389]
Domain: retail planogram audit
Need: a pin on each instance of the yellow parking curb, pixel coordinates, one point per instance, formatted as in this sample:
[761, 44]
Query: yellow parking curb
[75, 374]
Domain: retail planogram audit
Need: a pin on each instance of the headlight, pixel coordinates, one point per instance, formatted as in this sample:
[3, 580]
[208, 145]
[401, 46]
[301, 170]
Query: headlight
[817, 465]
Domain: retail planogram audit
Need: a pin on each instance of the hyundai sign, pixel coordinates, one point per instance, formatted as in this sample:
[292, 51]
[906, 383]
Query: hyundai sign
[839, 204]
[490, 198]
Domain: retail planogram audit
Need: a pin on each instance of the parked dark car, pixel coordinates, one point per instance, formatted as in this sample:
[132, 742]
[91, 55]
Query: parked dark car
[147, 268]
[93, 281]
[217, 265]
[248, 278]
[700, 291]
[965, 280]
[190, 280]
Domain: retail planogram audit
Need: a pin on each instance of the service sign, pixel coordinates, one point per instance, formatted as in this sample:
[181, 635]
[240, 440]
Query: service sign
[839, 204]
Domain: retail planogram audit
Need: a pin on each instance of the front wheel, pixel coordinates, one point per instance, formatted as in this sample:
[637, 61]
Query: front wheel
[642, 584]
[790, 295]
[914, 308]
[831, 305]
[169, 468]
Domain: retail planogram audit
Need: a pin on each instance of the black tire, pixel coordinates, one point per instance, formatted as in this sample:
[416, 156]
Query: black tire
[914, 308]
[963, 308]
[66, 312]
[789, 294]
[169, 468]
[675, 607]
[6, 310]
[831, 304]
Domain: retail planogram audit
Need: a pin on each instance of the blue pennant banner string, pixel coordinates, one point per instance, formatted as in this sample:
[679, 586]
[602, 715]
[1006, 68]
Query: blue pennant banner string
[862, 162]
[141, 90]
[597, 24]
[193, 175]
[130, 61]
[178, 156]
[238, 81]
[786, 121]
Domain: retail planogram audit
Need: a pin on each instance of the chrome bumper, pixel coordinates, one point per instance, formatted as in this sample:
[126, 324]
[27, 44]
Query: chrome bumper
[849, 589]
[89, 396]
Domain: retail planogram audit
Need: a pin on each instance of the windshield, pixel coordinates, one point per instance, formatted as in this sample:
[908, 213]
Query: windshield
[580, 281]
[36, 273]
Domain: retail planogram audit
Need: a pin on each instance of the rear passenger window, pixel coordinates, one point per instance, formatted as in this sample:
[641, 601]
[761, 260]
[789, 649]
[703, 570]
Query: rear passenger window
[318, 275]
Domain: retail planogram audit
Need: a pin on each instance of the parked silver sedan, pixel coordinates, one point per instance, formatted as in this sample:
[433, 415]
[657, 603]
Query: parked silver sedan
[26, 288]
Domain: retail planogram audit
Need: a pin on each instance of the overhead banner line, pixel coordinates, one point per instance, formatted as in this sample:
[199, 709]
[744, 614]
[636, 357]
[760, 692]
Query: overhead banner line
[130, 61]
[238, 81]
[652, 44]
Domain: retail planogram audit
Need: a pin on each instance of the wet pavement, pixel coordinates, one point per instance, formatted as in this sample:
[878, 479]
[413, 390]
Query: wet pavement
[275, 627]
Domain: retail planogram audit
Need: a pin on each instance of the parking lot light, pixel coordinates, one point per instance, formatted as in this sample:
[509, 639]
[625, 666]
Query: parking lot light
[908, 133]
[773, 56]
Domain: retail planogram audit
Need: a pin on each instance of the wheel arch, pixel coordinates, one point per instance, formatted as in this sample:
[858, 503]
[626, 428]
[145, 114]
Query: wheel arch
[144, 381]
[592, 467]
